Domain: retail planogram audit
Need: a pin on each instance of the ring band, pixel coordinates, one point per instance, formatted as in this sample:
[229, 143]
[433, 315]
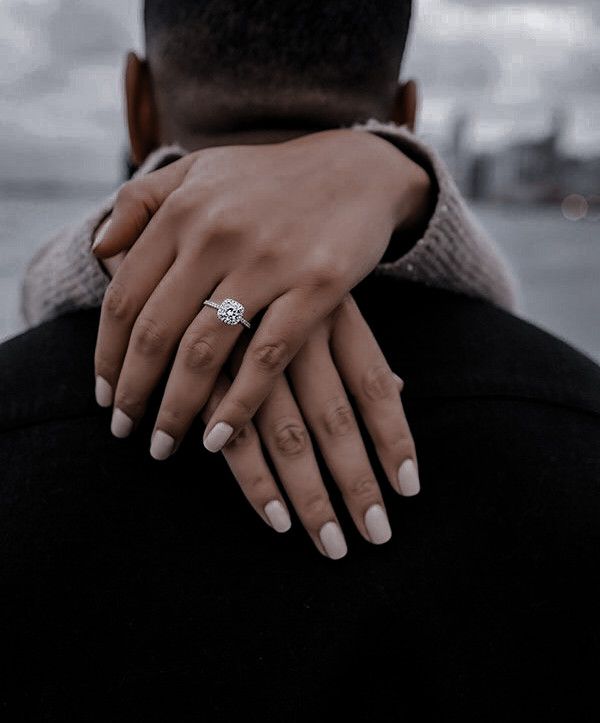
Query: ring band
[229, 311]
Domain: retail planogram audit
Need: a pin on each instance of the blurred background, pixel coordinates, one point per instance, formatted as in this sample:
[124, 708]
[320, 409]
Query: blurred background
[510, 96]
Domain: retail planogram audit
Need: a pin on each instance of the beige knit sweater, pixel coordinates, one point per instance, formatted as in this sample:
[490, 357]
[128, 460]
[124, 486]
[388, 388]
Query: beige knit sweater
[454, 252]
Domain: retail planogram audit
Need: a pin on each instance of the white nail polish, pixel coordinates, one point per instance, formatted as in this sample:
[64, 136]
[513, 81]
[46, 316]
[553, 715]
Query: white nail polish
[121, 425]
[278, 516]
[100, 235]
[162, 445]
[104, 392]
[333, 540]
[408, 478]
[218, 436]
[377, 524]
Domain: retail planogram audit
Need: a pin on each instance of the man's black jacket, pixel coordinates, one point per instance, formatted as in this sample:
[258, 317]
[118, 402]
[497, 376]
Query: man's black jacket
[142, 590]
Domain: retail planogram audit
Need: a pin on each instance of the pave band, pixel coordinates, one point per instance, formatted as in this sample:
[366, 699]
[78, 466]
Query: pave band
[229, 311]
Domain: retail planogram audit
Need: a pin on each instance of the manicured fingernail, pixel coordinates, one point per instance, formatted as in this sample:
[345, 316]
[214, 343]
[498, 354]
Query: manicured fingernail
[377, 524]
[278, 516]
[408, 478]
[333, 540]
[100, 235]
[121, 425]
[217, 436]
[104, 393]
[162, 445]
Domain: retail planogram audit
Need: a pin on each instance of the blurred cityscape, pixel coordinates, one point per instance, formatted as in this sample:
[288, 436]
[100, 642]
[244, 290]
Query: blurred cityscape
[532, 170]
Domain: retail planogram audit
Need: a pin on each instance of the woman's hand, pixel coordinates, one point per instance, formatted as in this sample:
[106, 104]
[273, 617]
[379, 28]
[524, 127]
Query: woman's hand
[310, 401]
[287, 228]
[341, 350]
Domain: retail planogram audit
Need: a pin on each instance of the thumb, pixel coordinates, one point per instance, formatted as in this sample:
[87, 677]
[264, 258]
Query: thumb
[136, 202]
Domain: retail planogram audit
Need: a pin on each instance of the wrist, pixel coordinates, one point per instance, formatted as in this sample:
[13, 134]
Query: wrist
[415, 203]
[415, 206]
[413, 193]
[410, 185]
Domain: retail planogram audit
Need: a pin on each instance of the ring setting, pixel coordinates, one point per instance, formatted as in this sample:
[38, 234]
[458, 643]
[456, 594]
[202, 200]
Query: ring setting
[229, 311]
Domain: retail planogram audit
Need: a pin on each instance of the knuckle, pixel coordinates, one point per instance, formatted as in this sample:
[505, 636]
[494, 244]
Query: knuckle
[148, 338]
[129, 404]
[362, 486]
[316, 507]
[328, 274]
[171, 419]
[378, 383]
[136, 200]
[338, 417]
[196, 251]
[222, 219]
[245, 408]
[259, 486]
[242, 439]
[272, 356]
[117, 305]
[266, 254]
[290, 437]
[400, 446]
[198, 353]
[177, 204]
[127, 193]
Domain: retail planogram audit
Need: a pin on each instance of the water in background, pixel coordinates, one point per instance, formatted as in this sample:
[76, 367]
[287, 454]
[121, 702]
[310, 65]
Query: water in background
[557, 260]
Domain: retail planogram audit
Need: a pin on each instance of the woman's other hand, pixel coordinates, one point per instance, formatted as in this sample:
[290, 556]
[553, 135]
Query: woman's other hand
[309, 402]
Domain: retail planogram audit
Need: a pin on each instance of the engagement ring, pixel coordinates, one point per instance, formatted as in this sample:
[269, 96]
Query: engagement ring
[229, 311]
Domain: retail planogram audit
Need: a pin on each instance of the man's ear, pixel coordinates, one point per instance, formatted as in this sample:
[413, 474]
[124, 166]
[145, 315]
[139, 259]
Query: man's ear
[142, 117]
[404, 106]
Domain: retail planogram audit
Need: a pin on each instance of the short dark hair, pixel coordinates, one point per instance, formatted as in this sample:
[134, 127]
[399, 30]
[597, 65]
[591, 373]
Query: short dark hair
[267, 48]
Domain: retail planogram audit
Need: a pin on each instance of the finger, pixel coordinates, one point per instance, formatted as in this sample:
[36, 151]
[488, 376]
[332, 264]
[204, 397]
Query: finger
[158, 328]
[136, 203]
[366, 373]
[284, 328]
[328, 412]
[132, 284]
[145, 264]
[247, 463]
[112, 264]
[201, 353]
[283, 432]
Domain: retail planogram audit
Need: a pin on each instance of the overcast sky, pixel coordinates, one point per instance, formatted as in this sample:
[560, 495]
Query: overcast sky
[508, 64]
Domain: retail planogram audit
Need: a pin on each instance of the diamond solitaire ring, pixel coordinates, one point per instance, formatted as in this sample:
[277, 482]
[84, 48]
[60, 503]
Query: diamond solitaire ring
[229, 311]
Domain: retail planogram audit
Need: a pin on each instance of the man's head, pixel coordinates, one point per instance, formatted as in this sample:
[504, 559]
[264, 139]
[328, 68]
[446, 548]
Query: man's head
[220, 67]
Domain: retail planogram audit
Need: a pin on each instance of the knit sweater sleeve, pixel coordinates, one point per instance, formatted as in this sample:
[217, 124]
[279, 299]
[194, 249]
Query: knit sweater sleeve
[455, 252]
[63, 275]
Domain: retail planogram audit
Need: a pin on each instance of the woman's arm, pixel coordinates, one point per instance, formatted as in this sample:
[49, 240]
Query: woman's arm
[454, 252]
[63, 275]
